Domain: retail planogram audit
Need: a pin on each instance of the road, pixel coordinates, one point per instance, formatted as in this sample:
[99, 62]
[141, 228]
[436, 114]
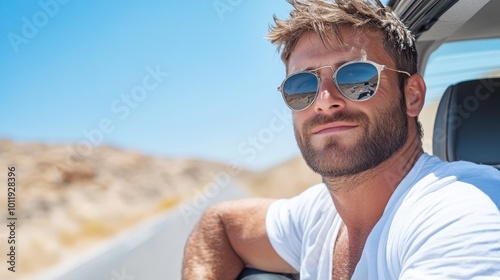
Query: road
[153, 250]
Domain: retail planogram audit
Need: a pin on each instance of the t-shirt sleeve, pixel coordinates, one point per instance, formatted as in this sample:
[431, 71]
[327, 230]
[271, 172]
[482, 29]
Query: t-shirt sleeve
[286, 220]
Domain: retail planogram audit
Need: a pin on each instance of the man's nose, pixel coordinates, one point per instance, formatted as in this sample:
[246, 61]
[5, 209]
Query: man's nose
[329, 98]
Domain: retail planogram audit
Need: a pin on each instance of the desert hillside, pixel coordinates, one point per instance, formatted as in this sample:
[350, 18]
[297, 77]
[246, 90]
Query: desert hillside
[66, 203]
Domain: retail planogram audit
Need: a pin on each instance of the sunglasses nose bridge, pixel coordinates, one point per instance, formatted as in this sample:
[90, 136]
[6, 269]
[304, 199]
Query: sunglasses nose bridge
[327, 84]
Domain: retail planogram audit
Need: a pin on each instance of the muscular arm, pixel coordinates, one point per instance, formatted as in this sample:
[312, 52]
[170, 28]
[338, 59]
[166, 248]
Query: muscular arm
[229, 236]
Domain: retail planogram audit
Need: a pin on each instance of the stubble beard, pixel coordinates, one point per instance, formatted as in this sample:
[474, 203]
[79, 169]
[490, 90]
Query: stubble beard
[381, 138]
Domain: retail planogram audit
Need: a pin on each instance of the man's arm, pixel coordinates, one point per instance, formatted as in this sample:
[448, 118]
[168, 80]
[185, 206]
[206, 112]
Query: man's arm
[229, 236]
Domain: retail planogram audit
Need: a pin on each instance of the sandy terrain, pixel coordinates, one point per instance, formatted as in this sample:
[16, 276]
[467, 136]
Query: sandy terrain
[66, 205]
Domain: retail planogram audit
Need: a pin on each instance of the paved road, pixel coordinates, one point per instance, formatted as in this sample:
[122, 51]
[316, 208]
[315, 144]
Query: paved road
[153, 250]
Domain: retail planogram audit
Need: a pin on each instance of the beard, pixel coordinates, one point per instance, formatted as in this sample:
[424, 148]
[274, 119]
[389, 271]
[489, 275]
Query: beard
[380, 139]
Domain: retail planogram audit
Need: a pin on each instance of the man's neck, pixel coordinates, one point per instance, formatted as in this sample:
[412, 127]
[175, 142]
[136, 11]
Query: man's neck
[361, 199]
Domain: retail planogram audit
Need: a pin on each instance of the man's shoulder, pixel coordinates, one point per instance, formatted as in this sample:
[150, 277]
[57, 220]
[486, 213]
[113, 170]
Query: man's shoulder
[450, 196]
[310, 207]
[448, 186]
[458, 179]
[460, 169]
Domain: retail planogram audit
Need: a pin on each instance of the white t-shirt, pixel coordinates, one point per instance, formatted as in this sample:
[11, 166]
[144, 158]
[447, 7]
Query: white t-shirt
[437, 224]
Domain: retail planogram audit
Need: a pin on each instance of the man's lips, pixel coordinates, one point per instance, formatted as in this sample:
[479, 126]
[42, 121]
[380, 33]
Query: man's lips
[333, 127]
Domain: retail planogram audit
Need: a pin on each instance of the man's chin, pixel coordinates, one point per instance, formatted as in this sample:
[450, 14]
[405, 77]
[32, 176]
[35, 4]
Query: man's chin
[328, 161]
[331, 171]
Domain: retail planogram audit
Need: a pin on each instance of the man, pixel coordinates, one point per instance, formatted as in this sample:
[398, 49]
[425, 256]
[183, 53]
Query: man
[385, 210]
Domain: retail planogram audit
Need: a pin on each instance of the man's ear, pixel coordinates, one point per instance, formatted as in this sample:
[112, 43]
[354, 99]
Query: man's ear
[415, 94]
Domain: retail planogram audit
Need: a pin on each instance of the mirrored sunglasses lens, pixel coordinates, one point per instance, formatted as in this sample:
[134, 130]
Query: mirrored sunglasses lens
[300, 90]
[357, 81]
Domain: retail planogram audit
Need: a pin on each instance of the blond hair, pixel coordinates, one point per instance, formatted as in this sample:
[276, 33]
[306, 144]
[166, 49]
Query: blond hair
[326, 18]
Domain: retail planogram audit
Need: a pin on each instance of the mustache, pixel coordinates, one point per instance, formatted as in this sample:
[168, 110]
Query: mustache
[338, 116]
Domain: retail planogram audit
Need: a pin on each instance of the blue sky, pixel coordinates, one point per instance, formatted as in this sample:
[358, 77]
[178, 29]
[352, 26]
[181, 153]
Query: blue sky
[166, 78]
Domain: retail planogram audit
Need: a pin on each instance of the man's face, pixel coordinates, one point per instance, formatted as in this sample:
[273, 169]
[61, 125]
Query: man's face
[337, 136]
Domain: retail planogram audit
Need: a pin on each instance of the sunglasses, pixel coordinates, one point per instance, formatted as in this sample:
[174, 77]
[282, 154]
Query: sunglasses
[356, 80]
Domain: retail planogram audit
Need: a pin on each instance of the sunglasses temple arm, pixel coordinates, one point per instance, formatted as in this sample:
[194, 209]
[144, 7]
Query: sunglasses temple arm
[399, 71]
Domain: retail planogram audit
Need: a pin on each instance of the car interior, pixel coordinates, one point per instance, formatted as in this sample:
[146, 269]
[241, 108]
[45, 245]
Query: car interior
[467, 121]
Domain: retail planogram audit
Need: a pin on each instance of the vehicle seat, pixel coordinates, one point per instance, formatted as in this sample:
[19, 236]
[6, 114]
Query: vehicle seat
[467, 125]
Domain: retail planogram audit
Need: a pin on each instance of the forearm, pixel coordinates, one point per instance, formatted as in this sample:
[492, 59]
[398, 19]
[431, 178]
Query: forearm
[208, 253]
